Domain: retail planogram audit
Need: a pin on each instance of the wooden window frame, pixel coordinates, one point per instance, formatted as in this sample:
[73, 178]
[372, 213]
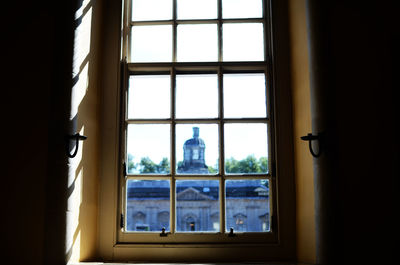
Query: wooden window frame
[281, 244]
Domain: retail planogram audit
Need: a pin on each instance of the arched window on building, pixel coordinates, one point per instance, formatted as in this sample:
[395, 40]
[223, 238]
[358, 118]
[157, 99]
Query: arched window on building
[240, 222]
[138, 221]
[215, 221]
[264, 219]
[163, 220]
[190, 223]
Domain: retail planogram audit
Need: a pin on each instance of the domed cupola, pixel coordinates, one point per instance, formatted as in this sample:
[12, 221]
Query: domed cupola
[193, 155]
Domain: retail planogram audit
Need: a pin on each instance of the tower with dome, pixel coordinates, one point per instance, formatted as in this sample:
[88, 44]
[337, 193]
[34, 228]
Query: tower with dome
[193, 155]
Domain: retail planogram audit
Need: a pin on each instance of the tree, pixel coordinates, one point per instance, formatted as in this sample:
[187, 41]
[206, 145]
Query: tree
[163, 167]
[212, 170]
[248, 165]
[263, 164]
[148, 166]
[131, 164]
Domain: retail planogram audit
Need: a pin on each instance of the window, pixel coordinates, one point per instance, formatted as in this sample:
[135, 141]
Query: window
[197, 148]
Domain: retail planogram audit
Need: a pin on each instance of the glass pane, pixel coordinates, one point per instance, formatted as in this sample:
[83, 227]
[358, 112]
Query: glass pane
[197, 206]
[243, 42]
[196, 96]
[244, 95]
[246, 148]
[197, 9]
[148, 149]
[242, 8]
[149, 96]
[247, 205]
[151, 43]
[197, 43]
[147, 205]
[197, 148]
[143, 10]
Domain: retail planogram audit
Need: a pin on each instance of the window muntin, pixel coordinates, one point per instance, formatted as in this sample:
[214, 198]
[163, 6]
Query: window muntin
[242, 90]
[247, 217]
[190, 103]
[205, 144]
[141, 215]
[199, 219]
[149, 97]
[148, 149]
[197, 42]
[195, 9]
[243, 42]
[145, 43]
[147, 10]
[205, 58]
[196, 31]
[242, 8]
[246, 148]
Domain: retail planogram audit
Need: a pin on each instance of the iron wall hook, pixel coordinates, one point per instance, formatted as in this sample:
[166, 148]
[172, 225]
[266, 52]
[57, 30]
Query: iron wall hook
[310, 137]
[77, 137]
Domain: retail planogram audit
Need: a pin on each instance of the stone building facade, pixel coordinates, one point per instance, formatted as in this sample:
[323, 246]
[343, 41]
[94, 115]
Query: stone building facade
[197, 206]
[197, 201]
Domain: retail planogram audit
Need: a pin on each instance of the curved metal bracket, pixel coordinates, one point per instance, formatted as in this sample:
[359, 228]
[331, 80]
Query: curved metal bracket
[310, 137]
[77, 137]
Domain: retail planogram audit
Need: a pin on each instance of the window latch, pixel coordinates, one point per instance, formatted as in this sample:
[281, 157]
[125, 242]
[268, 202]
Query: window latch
[163, 234]
[122, 221]
[231, 234]
[125, 169]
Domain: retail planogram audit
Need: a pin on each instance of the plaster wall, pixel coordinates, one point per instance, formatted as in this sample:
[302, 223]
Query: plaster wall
[305, 216]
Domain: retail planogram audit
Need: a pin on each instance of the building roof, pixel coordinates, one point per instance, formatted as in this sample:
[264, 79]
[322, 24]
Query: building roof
[235, 189]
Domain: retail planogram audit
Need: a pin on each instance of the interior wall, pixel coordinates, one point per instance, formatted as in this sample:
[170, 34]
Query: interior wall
[83, 178]
[109, 141]
[24, 132]
[354, 85]
[38, 193]
[305, 216]
[36, 79]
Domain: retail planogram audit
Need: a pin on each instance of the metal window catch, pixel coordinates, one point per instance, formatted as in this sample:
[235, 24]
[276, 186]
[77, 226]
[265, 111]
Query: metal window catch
[310, 137]
[231, 234]
[163, 234]
[77, 137]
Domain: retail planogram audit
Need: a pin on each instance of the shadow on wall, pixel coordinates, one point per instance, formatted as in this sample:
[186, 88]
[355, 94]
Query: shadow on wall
[71, 187]
[82, 179]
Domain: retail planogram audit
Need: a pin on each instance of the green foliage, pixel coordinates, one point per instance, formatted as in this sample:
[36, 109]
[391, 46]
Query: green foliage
[180, 164]
[131, 164]
[248, 165]
[263, 164]
[212, 170]
[148, 166]
[163, 167]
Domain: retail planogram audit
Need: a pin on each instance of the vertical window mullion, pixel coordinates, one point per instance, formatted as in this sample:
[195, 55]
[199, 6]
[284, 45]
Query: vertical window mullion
[174, 31]
[220, 31]
[173, 154]
[128, 27]
[221, 150]
[267, 35]
[221, 124]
